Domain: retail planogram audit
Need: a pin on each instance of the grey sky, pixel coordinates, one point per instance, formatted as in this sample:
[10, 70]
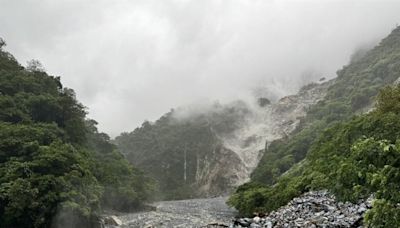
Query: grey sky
[134, 60]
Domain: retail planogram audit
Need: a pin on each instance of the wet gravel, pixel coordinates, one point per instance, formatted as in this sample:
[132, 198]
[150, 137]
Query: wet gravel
[183, 213]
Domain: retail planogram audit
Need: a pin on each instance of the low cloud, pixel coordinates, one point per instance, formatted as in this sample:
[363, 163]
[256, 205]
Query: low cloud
[134, 60]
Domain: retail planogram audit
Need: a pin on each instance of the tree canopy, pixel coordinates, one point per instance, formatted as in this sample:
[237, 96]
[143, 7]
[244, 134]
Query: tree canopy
[56, 169]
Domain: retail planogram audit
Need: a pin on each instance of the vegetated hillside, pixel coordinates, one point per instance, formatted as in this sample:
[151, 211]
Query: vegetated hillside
[207, 151]
[184, 152]
[56, 169]
[352, 92]
[339, 148]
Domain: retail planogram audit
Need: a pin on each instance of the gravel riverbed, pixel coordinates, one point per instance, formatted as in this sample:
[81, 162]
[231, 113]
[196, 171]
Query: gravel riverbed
[191, 213]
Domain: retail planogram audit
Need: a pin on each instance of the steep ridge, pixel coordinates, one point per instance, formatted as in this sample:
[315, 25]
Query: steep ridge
[353, 92]
[351, 156]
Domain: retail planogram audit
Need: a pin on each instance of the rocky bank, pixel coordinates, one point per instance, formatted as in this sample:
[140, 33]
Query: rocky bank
[313, 209]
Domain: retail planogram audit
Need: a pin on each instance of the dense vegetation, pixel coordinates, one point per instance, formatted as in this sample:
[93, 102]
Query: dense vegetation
[163, 150]
[177, 147]
[351, 156]
[353, 160]
[353, 91]
[56, 169]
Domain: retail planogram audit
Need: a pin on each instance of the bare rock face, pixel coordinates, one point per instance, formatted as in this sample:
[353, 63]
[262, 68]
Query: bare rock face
[313, 209]
[265, 124]
[218, 174]
[286, 113]
[231, 164]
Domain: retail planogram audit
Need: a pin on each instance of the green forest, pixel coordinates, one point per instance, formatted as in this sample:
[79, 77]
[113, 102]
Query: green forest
[337, 147]
[56, 169]
[173, 150]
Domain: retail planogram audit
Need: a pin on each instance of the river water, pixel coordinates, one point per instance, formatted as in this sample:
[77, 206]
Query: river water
[182, 213]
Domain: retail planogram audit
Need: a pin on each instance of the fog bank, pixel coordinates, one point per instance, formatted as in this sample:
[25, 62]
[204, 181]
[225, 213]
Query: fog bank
[134, 60]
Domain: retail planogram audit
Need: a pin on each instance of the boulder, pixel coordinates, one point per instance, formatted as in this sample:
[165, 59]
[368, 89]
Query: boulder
[112, 220]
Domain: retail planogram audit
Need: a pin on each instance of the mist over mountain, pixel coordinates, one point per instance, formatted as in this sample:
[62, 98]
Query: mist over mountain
[137, 59]
[348, 144]
[209, 149]
[209, 113]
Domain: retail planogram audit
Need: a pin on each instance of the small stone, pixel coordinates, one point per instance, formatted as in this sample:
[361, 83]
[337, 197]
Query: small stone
[112, 220]
[244, 222]
[254, 225]
[361, 210]
[256, 219]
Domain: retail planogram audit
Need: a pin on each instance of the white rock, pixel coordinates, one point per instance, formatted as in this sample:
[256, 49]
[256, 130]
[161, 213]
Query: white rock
[256, 219]
[112, 220]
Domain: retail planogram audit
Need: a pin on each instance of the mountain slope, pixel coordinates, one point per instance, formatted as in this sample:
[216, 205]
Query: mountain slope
[196, 152]
[184, 154]
[352, 92]
[56, 169]
[334, 141]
